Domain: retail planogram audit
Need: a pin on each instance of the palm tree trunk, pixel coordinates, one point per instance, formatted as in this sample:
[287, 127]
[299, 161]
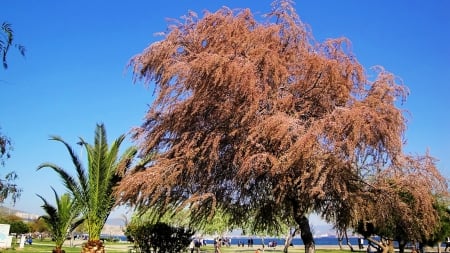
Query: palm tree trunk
[58, 250]
[93, 247]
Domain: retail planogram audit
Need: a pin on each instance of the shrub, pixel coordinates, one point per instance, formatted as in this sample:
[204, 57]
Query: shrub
[160, 237]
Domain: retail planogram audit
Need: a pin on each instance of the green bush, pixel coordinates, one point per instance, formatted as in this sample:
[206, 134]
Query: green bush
[19, 227]
[160, 237]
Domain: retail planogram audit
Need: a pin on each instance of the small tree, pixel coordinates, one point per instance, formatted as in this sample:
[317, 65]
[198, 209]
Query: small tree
[39, 226]
[62, 219]
[18, 226]
[8, 187]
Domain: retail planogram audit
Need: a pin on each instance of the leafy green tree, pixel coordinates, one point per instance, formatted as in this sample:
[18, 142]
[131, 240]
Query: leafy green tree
[19, 227]
[62, 218]
[8, 187]
[93, 188]
[443, 230]
[39, 226]
[219, 224]
[5, 148]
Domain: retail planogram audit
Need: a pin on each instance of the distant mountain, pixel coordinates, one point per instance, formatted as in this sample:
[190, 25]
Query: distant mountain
[115, 222]
[24, 215]
[325, 230]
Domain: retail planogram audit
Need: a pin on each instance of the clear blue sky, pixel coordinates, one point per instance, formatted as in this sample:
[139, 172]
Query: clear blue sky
[74, 74]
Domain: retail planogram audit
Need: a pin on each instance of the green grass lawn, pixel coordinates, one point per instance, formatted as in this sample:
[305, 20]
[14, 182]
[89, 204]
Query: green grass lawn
[47, 246]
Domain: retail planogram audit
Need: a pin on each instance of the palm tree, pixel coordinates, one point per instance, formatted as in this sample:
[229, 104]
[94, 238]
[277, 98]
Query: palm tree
[6, 41]
[62, 219]
[94, 190]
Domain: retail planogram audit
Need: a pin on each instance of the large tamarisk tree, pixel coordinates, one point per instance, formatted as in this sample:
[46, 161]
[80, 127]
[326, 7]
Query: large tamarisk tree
[259, 119]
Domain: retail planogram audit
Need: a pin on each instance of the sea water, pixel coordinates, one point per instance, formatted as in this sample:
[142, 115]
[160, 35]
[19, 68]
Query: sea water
[258, 241]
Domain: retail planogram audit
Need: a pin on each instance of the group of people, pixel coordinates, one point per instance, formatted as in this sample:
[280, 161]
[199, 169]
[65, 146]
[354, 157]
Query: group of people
[272, 244]
[196, 243]
[218, 244]
[28, 239]
[249, 243]
[25, 239]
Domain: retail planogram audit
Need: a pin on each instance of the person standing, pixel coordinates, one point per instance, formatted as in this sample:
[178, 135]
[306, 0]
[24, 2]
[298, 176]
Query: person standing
[191, 246]
[361, 243]
[217, 245]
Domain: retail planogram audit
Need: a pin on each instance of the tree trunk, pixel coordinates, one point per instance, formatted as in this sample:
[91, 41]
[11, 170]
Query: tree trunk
[385, 246]
[93, 247]
[289, 238]
[401, 246]
[306, 235]
[421, 247]
[390, 246]
[340, 237]
[349, 244]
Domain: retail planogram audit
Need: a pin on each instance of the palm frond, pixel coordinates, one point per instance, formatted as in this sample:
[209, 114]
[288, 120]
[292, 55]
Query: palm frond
[7, 41]
[7, 29]
[69, 182]
[50, 211]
